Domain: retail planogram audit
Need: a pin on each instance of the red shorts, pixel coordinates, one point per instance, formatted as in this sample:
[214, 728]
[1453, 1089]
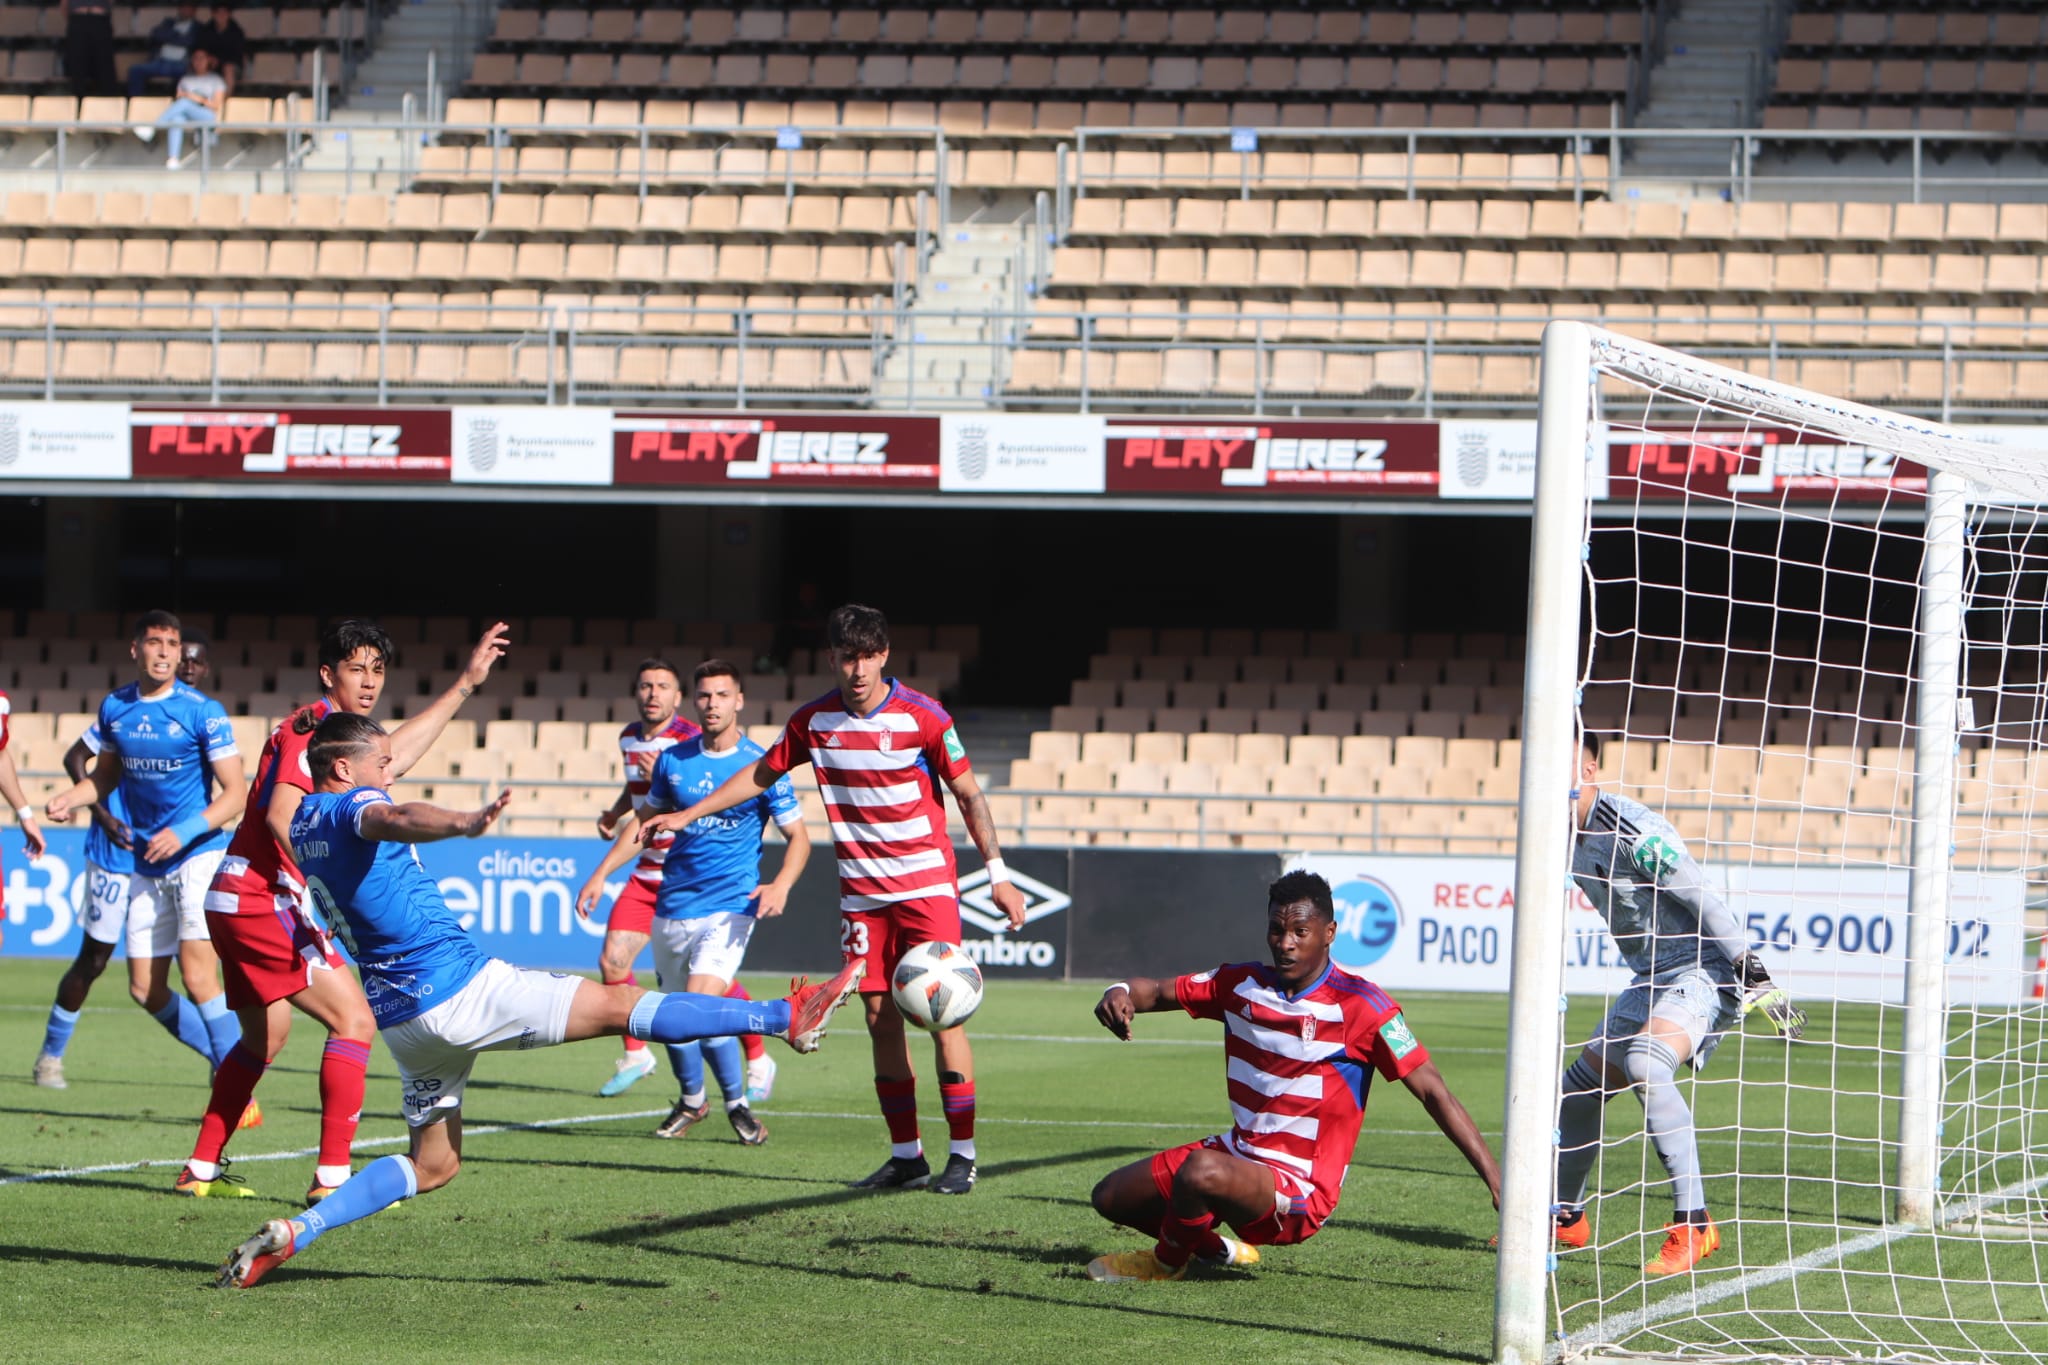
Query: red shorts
[267, 952]
[633, 911]
[882, 937]
[1298, 1208]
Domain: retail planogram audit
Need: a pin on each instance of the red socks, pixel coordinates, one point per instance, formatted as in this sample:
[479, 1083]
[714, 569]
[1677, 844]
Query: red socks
[1181, 1238]
[957, 1097]
[750, 1043]
[632, 1044]
[342, 1067]
[234, 1081]
[899, 1108]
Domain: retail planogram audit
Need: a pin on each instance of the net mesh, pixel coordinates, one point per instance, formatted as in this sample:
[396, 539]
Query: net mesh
[1754, 631]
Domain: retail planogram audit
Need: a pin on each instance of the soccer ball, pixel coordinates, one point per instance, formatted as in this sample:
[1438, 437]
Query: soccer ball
[936, 986]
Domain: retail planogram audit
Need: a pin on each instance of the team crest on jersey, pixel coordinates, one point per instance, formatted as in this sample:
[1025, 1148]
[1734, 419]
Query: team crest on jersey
[884, 739]
[1308, 1028]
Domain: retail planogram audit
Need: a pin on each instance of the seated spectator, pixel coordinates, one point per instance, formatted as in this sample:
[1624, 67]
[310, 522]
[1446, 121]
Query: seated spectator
[171, 42]
[223, 37]
[202, 94]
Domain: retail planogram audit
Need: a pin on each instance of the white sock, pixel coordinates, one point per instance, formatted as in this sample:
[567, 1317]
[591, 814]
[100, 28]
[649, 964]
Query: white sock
[739, 1103]
[203, 1170]
[331, 1176]
[965, 1149]
[695, 1101]
[907, 1151]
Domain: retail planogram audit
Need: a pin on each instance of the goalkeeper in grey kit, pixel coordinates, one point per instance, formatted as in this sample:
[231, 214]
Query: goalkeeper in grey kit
[1695, 977]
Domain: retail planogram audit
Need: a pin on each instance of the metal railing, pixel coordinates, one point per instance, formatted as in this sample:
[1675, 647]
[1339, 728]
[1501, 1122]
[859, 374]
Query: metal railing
[575, 352]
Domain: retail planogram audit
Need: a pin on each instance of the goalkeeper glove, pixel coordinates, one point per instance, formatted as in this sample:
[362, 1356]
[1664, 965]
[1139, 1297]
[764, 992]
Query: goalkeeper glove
[1759, 992]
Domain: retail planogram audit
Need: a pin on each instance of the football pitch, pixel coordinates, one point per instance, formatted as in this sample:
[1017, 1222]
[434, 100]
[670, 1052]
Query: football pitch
[573, 1234]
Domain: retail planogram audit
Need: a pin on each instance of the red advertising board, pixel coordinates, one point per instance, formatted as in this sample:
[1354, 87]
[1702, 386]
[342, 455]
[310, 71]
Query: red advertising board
[788, 450]
[408, 445]
[1381, 459]
[1752, 464]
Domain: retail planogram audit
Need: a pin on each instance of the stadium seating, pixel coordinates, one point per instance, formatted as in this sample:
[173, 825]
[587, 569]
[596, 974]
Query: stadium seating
[1050, 70]
[281, 43]
[1892, 68]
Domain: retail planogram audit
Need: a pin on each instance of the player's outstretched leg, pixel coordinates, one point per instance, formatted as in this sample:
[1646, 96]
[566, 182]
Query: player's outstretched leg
[376, 1187]
[1179, 1197]
[799, 1019]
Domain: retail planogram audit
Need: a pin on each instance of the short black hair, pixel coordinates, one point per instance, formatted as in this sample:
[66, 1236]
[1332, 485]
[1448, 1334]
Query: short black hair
[157, 620]
[342, 735]
[660, 665]
[862, 630]
[1590, 742]
[1299, 886]
[193, 637]
[719, 668]
[345, 637]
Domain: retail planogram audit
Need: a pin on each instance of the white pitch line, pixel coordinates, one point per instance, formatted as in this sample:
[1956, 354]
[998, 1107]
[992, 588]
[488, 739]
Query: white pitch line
[1681, 1305]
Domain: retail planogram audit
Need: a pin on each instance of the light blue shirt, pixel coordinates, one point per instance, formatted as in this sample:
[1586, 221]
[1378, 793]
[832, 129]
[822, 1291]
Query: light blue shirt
[100, 849]
[1664, 913]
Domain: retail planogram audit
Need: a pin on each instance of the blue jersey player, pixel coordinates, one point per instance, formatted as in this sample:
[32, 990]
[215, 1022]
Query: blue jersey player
[438, 998]
[166, 754]
[711, 891]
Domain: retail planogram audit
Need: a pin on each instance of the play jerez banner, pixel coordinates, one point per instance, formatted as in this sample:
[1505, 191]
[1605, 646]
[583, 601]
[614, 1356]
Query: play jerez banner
[969, 454]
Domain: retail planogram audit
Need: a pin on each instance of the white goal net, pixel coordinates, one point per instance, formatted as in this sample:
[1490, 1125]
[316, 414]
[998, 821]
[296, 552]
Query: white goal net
[1810, 635]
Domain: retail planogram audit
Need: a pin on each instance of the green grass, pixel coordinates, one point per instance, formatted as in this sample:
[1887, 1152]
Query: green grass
[596, 1242]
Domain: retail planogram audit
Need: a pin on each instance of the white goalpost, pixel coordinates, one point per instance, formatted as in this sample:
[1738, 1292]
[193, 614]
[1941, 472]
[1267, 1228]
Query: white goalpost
[1811, 635]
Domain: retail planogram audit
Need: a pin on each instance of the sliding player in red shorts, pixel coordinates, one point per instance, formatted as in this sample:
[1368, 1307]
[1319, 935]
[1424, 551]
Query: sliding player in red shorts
[880, 751]
[274, 956]
[1302, 1039]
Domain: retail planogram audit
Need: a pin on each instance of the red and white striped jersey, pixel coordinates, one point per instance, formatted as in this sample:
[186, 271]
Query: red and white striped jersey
[639, 752]
[6, 709]
[879, 774]
[1299, 1066]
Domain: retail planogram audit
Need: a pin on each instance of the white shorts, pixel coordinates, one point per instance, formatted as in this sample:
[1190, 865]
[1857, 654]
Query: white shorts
[1693, 999]
[503, 1008]
[155, 914]
[702, 945]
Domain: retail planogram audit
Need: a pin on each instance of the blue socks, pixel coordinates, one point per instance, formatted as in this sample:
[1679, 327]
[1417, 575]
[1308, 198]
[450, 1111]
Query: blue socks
[376, 1187]
[727, 1066]
[687, 1061]
[181, 1017]
[679, 1017]
[57, 1033]
[223, 1030]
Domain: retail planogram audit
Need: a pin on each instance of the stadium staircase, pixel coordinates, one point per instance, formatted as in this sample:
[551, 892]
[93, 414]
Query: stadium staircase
[401, 62]
[1713, 71]
[960, 322]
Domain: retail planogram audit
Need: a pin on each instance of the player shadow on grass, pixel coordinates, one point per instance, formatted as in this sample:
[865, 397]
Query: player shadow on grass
[641, 1168]
[1116, 1299]
[130, 1261]
[45, 1112]
[1076, 1253]
[842, 1194]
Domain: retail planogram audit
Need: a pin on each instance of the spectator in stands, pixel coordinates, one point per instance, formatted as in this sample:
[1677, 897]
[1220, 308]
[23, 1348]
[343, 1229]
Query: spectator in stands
[223, 37]
[194, 667]
[89, 46]
[172, 44]
[202, 94]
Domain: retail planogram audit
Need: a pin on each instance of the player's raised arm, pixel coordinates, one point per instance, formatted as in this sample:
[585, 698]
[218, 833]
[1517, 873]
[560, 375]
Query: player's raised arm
[418, 822]
[625, 848]
[744, 785]
[1427, 1084]
[1126, 999]
[410, 741]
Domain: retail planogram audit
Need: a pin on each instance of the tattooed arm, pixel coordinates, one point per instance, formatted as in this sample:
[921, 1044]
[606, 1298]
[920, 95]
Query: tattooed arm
[981, 827]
